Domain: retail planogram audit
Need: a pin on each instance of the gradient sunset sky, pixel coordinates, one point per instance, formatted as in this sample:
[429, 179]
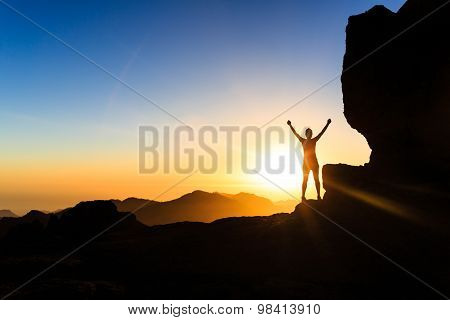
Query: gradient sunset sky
[68, 131]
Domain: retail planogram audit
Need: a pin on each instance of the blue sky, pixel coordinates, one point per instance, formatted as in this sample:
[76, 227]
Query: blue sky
[182, 54]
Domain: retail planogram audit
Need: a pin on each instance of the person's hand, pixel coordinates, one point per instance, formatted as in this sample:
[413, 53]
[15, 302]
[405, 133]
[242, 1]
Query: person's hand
[329, 121]
[289, 122]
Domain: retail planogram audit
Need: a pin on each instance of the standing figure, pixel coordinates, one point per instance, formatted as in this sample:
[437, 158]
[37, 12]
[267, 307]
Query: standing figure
[310, 162]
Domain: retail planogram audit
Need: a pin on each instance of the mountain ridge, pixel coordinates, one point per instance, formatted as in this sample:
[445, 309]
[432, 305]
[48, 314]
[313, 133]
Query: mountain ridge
[200, 206]
[5, 213]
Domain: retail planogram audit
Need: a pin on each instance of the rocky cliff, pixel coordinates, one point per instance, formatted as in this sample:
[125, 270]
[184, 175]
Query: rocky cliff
[396, 91]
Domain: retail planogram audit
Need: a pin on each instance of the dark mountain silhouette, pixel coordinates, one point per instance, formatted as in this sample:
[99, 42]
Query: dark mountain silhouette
[398, 204]
[298, 255]
[34, 216]
[198, 206]
[131, 204]
[7, 214]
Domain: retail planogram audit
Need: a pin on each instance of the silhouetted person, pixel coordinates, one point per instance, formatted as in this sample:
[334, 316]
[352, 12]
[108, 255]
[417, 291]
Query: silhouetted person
[310, 162]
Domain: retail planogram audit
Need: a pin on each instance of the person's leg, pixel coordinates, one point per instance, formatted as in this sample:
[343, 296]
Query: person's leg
[305, 182]
[317, 182]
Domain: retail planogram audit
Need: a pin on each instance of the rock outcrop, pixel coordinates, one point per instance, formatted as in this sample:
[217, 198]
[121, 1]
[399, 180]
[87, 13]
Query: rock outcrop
[396, 91]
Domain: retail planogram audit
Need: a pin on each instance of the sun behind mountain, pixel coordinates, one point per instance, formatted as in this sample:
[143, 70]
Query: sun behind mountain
[199, 206]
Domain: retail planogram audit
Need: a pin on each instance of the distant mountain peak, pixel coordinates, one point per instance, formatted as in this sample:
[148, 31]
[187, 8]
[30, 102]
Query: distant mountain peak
[198, 194]
[97, 209]
[132, 204]
[136, 199]
[35, 213]
[5, 213]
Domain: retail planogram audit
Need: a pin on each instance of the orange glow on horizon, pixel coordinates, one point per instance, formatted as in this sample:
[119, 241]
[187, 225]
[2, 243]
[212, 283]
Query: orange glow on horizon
[53, 180]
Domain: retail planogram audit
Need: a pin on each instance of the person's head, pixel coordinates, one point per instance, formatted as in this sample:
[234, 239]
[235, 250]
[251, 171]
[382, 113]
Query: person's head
[308, 133]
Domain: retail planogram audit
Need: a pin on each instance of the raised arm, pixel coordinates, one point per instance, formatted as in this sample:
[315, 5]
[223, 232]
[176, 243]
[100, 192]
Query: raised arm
[323, 130]
[295, 132]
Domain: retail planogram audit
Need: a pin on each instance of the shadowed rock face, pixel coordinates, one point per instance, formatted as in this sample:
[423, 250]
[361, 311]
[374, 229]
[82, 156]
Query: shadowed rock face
[283, 256]
[399, 96]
